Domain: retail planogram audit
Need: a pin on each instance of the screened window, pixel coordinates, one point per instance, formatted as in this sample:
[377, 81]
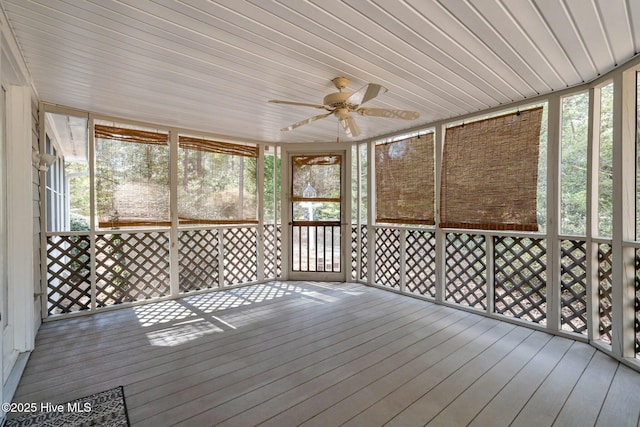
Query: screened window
[272, 186]
[131, 177]
[605, 172]
[216, 182]
[405, 181]
[573, 165]
[316, 187]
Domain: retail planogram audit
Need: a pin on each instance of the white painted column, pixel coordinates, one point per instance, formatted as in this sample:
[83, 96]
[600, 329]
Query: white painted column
[174, 248]
[553, 213]
[438, 139]
[20, 215]
[623, 258]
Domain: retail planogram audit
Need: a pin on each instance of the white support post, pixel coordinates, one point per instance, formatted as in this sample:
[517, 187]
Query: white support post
[20, 216]
[403, 259]
[345, 221]
[260, 207]
[438, 139]
[220, 232]
[623, 258]
[359, 213]
[491, 277]
[593, 166]
[92, 213]
[285, 212]
[43, 221]
[371, 206]
[174, 249]
[553, 213]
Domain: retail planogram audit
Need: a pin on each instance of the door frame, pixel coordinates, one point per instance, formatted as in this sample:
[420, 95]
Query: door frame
[286, 212]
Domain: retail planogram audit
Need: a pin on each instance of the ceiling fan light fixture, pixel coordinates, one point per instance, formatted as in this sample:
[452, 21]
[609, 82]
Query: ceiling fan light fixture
[342, 113]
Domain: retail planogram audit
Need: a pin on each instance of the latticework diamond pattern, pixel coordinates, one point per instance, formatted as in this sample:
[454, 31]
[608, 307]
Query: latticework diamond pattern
[466, 270]
[269, 251]
[604, 291]
[240, 257]
[388, 257]
[68, 274]
[363, 252]
[521, 278]
[131, 267]
[278, 251]
[573, 286]
[637, 304]
[421, 263]
[354, 253]
[198, 259]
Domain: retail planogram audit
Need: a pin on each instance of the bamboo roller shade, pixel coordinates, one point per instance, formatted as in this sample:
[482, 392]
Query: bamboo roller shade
[405, 181]
[490, 173]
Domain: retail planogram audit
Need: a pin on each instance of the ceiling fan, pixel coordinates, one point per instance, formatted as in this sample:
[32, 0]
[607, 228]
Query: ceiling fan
[340, 104]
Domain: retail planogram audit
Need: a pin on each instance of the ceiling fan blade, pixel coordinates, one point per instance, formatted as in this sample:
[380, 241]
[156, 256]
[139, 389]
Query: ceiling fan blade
[306, 121]
[391, 114]
[301, 104]
[350, 126]
[365, 93]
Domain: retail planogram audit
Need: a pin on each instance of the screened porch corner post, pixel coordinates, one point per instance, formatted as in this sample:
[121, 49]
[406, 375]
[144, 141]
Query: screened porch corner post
[625, 113]
[174, 253]
[439, 232]
[260, 251]
[554, 119]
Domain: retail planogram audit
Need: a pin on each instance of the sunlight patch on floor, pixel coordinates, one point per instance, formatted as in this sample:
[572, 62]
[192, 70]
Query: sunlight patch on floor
[182, 333]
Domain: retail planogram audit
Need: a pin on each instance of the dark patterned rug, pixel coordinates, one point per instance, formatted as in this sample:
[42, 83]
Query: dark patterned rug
[107, 408]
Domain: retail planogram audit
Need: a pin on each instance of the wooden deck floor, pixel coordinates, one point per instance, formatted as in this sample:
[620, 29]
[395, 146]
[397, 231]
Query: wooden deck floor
[323, 354]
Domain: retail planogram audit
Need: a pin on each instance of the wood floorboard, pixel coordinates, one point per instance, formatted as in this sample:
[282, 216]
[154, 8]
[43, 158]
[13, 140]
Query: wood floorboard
[324, 358]
[147, 362]
[545, 404]
[584, 403]
[461, 341]
[327, 354]
[438, 344]
[267, 357]
[467, 404]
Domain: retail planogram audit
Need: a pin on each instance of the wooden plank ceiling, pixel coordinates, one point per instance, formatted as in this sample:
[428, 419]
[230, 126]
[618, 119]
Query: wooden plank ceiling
[212, 65]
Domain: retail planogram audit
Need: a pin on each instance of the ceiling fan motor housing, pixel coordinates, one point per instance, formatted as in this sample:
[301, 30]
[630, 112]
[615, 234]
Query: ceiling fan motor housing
[337, 100]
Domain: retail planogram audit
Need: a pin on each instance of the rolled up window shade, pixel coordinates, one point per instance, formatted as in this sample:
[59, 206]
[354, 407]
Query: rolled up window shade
[405, 181]
[122, 134]
[210, 146]
[490, 173]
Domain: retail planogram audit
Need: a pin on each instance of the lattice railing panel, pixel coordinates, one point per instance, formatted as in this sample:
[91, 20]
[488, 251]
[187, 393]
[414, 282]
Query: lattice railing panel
[240, 255]
[68, 274]
[466, 270]
[387, 257]
[637, 304]
[573, 286]
[354, 252]
[521, 278]
[131, 267]
[364, 251]
[278, 250]
[420, 270]
[198, 253]
[269, 251]
[604, 291]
